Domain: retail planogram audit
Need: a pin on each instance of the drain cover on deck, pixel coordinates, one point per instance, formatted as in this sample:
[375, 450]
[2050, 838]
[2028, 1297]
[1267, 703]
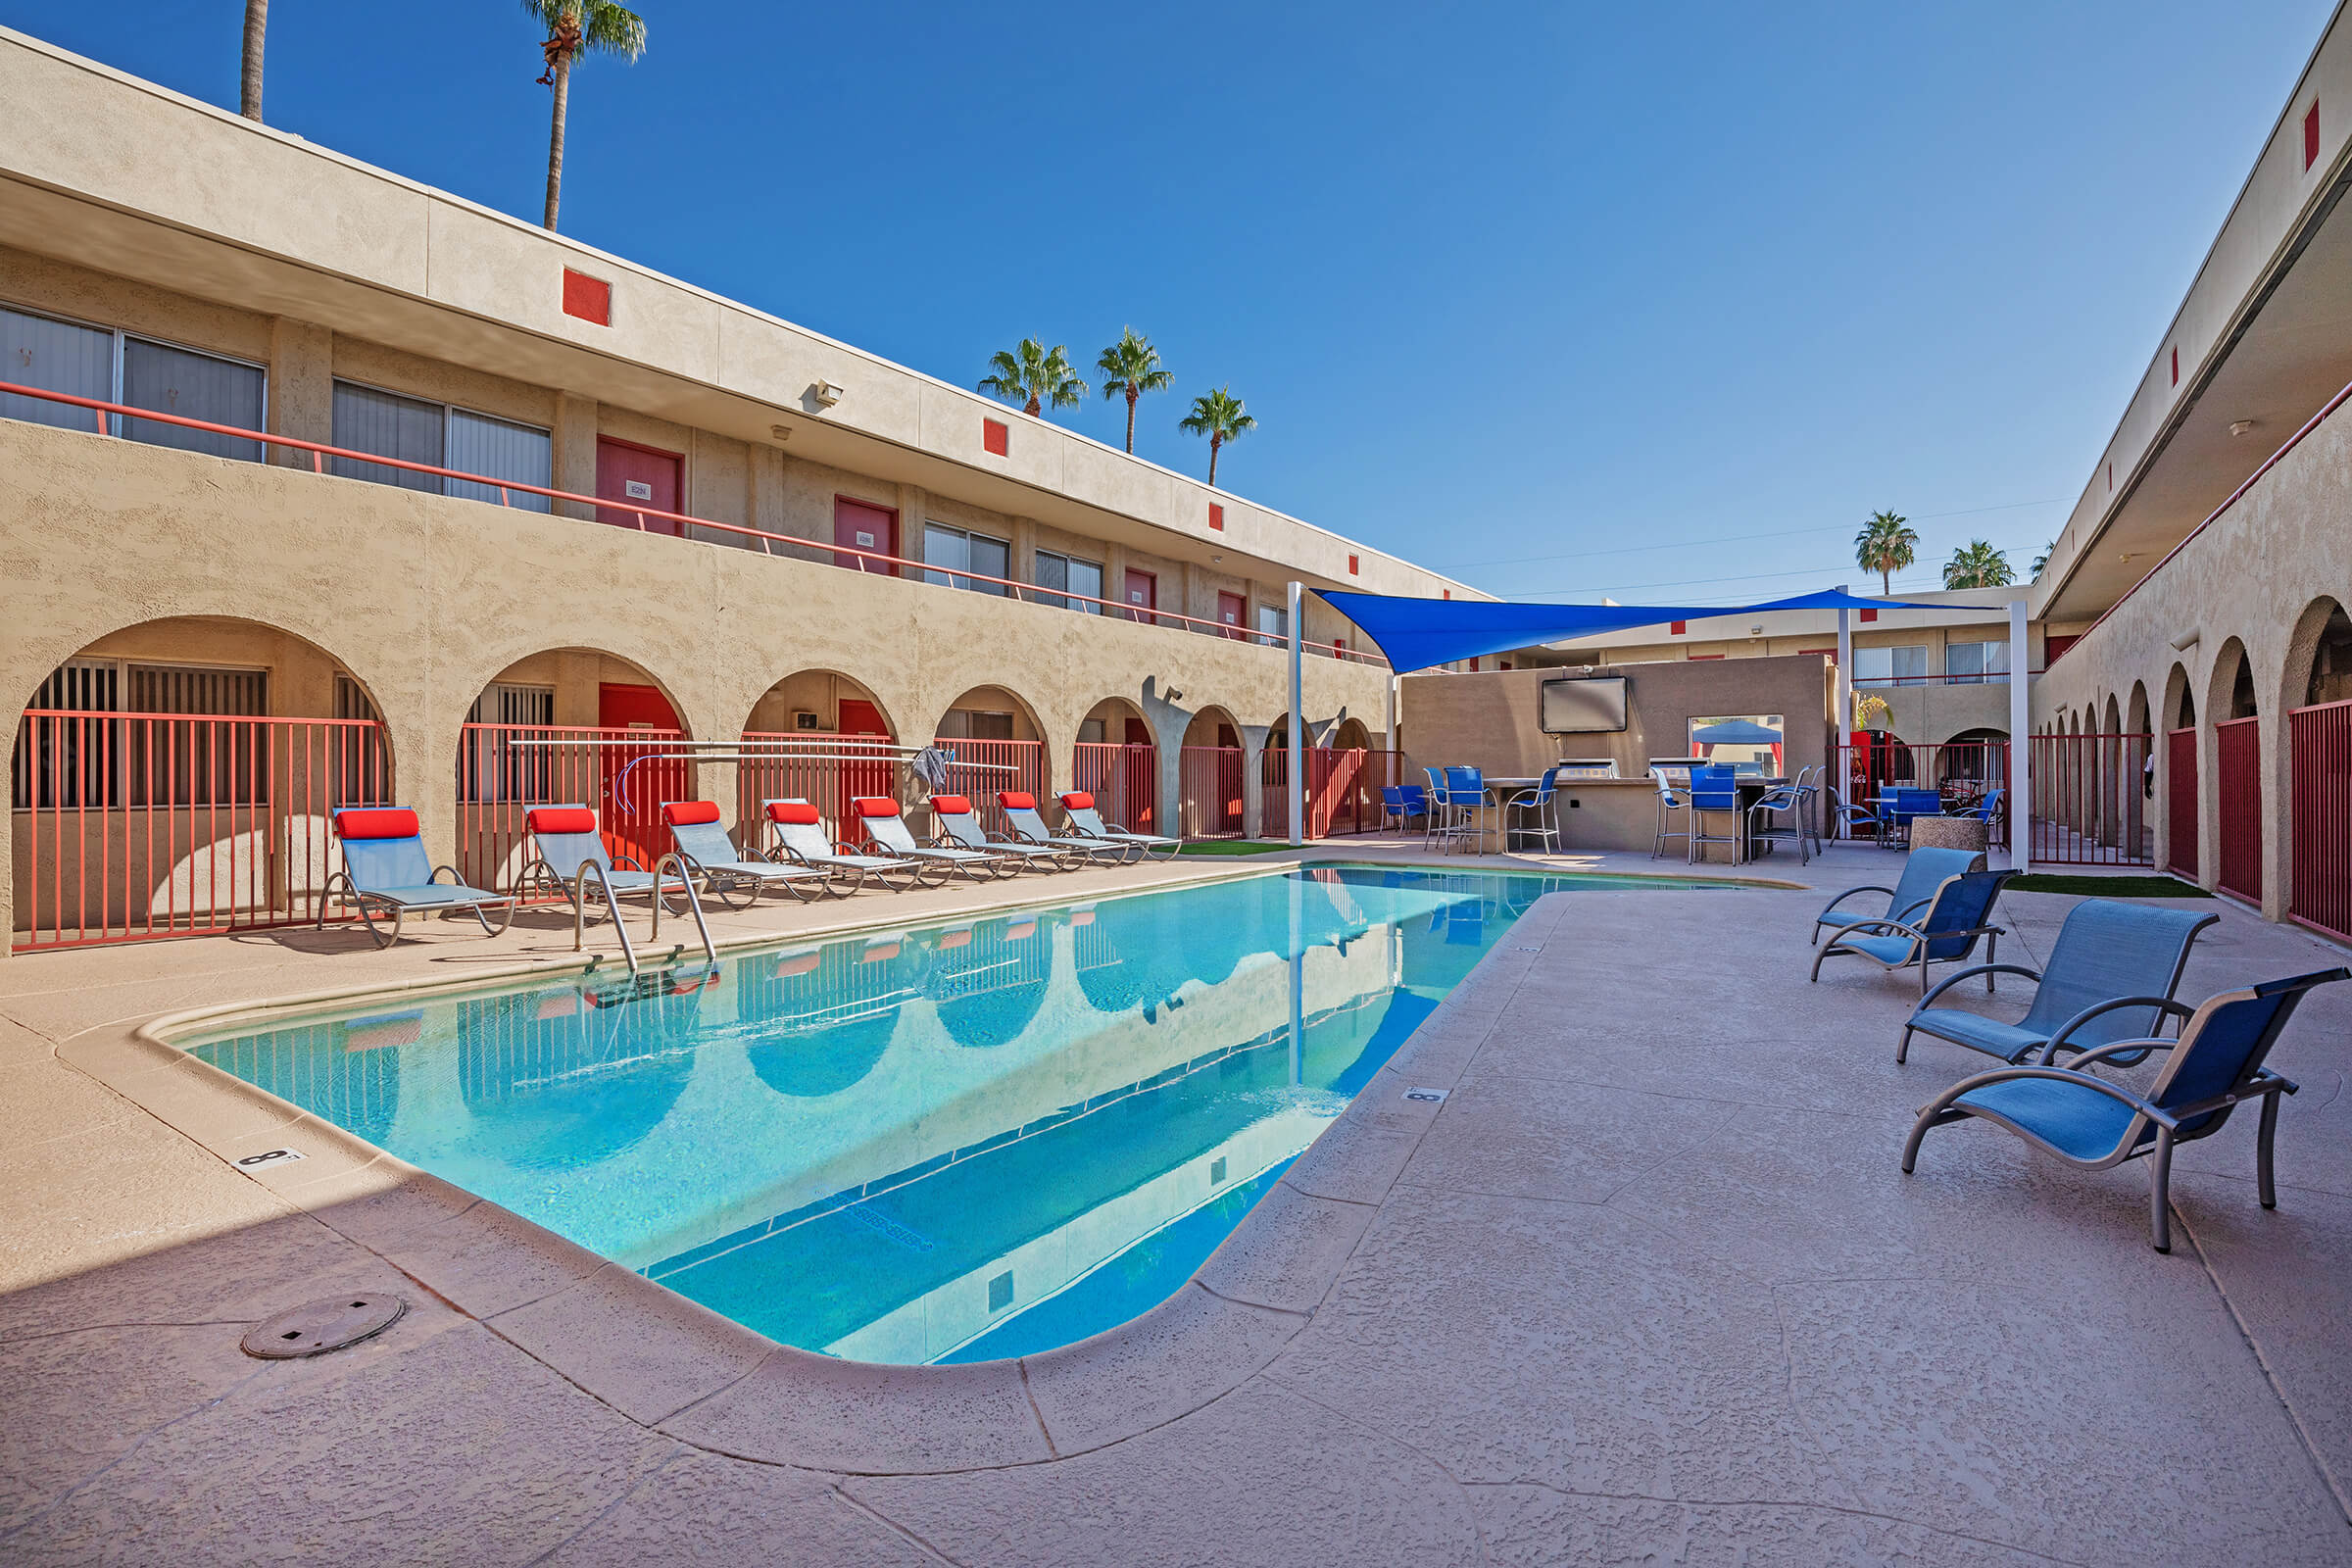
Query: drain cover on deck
[317, 1327]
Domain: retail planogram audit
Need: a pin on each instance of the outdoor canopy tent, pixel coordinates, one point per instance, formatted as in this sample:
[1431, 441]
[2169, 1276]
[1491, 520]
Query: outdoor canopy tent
[1419, 633]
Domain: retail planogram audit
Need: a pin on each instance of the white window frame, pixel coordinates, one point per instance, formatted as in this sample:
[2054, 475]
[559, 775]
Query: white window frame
[1893, 676]
[1983, 674]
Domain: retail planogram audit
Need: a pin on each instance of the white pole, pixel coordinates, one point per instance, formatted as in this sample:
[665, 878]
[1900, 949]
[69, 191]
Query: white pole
[1838, 773]
[1298, 761]
[2020, 746]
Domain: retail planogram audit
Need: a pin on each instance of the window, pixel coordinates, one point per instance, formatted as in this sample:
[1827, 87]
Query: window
[490, 767]
[1273, 625]
[1887, 666]
[92, 362]
[116, 763]
[1976, 663]
[974, 724]
[1070, 575]
[415, 431]
[956, 551]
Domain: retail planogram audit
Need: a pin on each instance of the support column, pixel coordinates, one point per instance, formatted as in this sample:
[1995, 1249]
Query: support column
[302, 387]
[1294, 774]
[574, 456]
[1844, 728]
[2021, 744]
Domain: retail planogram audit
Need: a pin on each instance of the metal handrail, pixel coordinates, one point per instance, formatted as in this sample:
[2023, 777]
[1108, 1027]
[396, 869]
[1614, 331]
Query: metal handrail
[579, 911]
[320, 452]
[694, 905]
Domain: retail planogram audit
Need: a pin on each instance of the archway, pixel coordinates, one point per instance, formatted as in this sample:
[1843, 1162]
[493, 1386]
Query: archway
[181, 775]
[1116, 760]
[2235, 772]
[998, 745]
[990, 981]
[2314, 768]
[1209, 777]
[817, 735]
[2181, 777]
[2319, 658]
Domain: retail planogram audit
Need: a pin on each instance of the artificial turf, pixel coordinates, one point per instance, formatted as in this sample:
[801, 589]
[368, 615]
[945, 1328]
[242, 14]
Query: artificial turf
[2110, 887]
[1231, 846]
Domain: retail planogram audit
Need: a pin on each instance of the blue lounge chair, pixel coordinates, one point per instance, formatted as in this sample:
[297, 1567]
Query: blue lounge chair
[959, 828]
[1028, 827]
[1086, 822]
[569, 860]
[798, 835]
[386, 871]
[2092, 1124]
[712, 858]
[1945, 932]
[2110, 977]
[1923, 873]
[886, 834]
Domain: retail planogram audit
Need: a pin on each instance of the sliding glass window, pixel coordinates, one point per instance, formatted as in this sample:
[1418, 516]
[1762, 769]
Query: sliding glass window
[110, 366]
[415, 430]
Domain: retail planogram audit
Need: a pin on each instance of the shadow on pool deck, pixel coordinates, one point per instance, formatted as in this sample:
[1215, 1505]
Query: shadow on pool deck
[1648, 1286]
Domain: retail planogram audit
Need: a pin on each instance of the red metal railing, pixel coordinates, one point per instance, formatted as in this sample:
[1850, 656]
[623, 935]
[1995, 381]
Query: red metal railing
[828, 771]
[2238, 807]
[1210, 792]
[136, 826]
[2090, 798]
[983, 768]
[505, 769]
[2320, 756]
[1124, 781]
[2181, 787]
[1961, 772]
[604, 510]
[1334, 798]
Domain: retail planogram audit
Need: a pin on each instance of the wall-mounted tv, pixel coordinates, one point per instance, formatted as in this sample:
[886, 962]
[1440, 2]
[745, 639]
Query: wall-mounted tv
[1585, 706]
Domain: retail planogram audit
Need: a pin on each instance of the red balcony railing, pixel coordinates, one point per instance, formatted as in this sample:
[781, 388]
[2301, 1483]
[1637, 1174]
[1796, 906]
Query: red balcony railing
[2238, 807]
[982, 768]
[828, 771]
[2320, 745]
[136, 826]
[2090, 798]
[1124, 781]
[675, 523]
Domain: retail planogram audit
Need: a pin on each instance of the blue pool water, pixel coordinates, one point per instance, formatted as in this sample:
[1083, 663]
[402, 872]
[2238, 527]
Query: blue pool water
[950, 1144]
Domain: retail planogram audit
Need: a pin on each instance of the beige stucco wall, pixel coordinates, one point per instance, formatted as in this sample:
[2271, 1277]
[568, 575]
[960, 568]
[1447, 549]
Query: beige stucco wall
[426, 600]
[2258, 576]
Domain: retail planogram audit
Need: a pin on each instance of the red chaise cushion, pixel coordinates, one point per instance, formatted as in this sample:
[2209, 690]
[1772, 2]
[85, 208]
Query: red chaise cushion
[1078, 801]
[953, 804]
[876, 806]
[792, 814]
[1017, 801]
[379, 822]
[561, 819]
[687, 814]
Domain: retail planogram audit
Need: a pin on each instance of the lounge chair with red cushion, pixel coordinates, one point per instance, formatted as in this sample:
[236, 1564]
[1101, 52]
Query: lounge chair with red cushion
[1087, 822]
[386, 871]
[796, 837]
[723, 869]
[886, 832]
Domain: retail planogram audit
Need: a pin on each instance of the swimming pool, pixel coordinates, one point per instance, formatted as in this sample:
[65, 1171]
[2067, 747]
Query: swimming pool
[953, 1144]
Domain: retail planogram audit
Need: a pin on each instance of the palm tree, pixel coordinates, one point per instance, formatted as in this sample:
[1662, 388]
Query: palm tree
[2041, 562]
[1034, 376]
[1220, 417]
[1977, 565]
[1885, 546]
[257, 28]
[576, 27]
[1131, 367]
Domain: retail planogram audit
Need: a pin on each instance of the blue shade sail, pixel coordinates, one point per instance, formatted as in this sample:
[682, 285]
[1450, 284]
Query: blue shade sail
[1421, 633]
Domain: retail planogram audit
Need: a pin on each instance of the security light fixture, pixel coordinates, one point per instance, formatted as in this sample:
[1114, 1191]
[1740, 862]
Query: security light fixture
[1174, 696]
[2243, 426]
[826, 394]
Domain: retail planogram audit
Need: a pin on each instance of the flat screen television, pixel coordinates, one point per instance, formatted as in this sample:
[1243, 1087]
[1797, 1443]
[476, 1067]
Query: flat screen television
[1585, 706]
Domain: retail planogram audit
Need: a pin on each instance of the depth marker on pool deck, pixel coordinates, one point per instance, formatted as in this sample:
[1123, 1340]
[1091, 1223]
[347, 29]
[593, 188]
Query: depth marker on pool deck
[1427, 1097]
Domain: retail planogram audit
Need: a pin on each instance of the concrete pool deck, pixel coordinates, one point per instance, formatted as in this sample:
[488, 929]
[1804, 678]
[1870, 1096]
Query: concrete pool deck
[1648, 1286]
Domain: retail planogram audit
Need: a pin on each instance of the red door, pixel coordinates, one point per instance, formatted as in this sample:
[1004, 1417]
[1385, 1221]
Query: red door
[635, 476]
[860, 525]
[863, 778]
[1142, 593]
[1230, 608]
[633, 826]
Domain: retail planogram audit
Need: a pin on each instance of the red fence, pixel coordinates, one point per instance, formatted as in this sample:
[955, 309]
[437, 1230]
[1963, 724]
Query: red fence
[825, 770]
[1124, 781]
[505, 769]
[983, 768]
[2181, 788]
[1210, 792]
[2090, 798]
[1335, 793]
[134, 826]
[2320, 747]
[2238, 807]
[1961, 772]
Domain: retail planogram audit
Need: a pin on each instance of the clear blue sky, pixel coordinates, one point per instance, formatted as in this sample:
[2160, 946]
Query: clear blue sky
[1619, 287]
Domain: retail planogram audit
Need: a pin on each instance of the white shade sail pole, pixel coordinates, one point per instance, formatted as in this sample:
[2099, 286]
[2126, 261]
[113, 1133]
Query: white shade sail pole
[2021, 745]
[1844, 698]
[1297, 767]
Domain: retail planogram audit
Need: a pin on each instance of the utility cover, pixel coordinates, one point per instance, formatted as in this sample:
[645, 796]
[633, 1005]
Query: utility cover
[317, 1327]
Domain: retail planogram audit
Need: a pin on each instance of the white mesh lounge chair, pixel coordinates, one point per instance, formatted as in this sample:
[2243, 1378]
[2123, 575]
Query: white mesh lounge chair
[886, 831]
[796, 837]
[1086, 822]
[711, 856]
[386, 871]
[1028, 827]
[569, 861]
[959, 828]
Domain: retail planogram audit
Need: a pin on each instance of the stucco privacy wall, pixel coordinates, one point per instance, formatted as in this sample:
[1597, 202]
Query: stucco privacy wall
[424, 599]
[2251, 575]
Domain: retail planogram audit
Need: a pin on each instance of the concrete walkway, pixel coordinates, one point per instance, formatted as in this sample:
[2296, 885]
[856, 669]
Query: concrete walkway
[1649, 1286]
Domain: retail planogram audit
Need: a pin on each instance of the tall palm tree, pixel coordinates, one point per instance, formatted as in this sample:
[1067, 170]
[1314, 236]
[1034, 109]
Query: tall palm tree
[1220, 417]
[2041, 562]
[257, 29]
[1034, 376]
[1886, 545]
[1977, 565]
[1130, 369]
[576, 27]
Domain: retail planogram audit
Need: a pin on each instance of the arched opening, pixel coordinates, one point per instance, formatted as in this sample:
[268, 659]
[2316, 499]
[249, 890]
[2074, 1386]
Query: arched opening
[2180, 774]
[2319, 658]
[1973, 760]
[2318, 702]
[817, 735]
[1209, 777]
[2237, 772]
[1116, 760]
[568, 726]
[180, 776]
[998, 745]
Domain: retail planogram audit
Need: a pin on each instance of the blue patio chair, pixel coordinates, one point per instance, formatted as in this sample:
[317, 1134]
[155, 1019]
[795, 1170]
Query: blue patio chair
[961, 828]
[798, 834]
[1716, 789]
[569, 860]
[1898, 811]
[1538, 801]
[1670, 801]
[1924, 871]
[1845, 817]
[2091, 1123]
[1777, 816]
[1029, 827]
[1400, 803]
[1960, 912]
[886, 834]
[1989, 811]
[2110, 977]
[711, 857]
[1443, 823]
[1466, 796]
[1086, 821]
[386, 871]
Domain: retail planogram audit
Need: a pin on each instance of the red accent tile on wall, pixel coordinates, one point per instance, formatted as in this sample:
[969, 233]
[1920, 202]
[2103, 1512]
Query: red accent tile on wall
[588, 297]
[2311, 135]
[1217, 517]
[1678, 629]
[1448, 592]
[2176, 367]
[995, 437]
[1870, 615]
[1352, 567]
